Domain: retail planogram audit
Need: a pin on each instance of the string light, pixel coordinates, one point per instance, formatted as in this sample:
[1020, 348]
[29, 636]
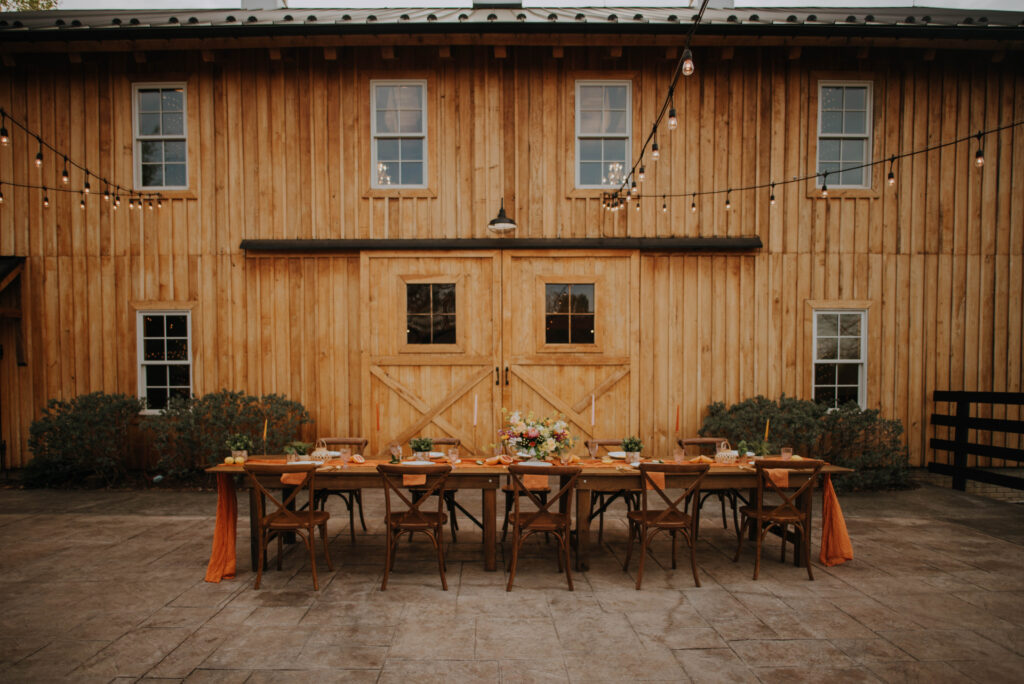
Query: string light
[664, 205]
[159, 203]
[106, 193]
[4, 139]
[637, 205]
[824, 187]
[728, 202]
[688, 62]
[771, 199]
[64, 176]
[693, 204]
[979, 157]
[117, 201]
[151, 205]
[632, 188]
[46, 199]
[655, 152]
[642, 175]
[892, 177]
[1, 196]
[86, 187]
[39, 154]
[81, 203]
[673, 121]
[131, 202]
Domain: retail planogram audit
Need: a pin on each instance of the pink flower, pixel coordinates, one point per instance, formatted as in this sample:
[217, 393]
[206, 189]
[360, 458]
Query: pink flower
[533, 433]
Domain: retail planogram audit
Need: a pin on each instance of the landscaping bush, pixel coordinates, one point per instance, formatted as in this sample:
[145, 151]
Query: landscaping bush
[847, 436]
[191, 434]
[83, 441]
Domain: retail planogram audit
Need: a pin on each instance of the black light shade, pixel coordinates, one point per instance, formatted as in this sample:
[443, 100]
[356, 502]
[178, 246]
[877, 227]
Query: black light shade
[501, 223]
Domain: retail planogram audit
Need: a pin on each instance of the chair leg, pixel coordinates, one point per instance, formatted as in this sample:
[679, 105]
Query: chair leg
[692, 539]
[327, 551]
[280, 549]
[515, 558]
[352, 517]
[725, 521]
[358, 494]
[643, 556]
[739, 537]
[806, 534]
[438, 539]
[732, 500]
[388, 552]
[760, 541]
[600, 523]
[563, 540]
[310, 543]
[673, 534]
[629, 545]
[453, 522]
[782, 557]
[262, 559]
[508, 509]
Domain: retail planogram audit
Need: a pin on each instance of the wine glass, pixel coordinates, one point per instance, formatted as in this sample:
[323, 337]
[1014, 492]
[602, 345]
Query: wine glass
[396, 451]
[679, 455]
[453, 455]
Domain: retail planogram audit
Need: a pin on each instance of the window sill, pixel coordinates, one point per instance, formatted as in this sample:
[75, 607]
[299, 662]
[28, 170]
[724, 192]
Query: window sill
[589, 193]
[843, 193]
[168, 194]
[399, 192]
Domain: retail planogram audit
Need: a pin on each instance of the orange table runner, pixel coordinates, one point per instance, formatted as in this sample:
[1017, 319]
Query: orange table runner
[835, 540]
[222, 556]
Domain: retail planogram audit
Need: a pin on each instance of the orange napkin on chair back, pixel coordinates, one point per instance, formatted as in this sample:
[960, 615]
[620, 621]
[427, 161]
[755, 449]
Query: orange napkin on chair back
[835, 540]
[414, 480]
[780, 476]
[222, 555]
[535, 481]
[655, 479]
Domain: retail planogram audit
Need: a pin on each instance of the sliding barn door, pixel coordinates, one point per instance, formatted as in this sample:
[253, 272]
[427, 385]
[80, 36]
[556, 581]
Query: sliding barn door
[430, 339]
[570, 339]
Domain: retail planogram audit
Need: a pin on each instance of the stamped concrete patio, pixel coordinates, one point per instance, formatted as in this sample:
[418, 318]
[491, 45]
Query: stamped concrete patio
[108, 586]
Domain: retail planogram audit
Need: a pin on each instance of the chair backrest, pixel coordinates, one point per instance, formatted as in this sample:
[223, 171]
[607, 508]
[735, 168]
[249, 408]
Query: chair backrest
[594, 445]
[392, 476]
[789, 496]
[281, 508]
[701, 445]
[516, 473]
[697, 470]
[358, 444]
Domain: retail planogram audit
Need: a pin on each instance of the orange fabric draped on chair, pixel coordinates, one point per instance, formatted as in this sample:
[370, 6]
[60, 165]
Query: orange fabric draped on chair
[835, 540]
[222, 555]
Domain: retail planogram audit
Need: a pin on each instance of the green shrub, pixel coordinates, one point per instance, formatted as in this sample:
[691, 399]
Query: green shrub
[191, 434]
[83, 441]
[848, 437]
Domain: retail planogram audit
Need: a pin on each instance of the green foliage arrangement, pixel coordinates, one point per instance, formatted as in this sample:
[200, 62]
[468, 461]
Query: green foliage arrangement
[239, 442]
[848, 436]
[297, 448]
[83, 441]
[632, 444]
[421, 444]
[192, 433]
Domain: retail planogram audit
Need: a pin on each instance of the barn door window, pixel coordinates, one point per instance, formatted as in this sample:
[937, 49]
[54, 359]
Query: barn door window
[165, 356]
[399, 131]
[840, 357]
[603, 116]
[430, 313]
[161, 141]
[844, 132]
[569, 313]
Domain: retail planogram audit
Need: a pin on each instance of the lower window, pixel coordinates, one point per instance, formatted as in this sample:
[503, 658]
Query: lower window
[165, 356]
[839, 357]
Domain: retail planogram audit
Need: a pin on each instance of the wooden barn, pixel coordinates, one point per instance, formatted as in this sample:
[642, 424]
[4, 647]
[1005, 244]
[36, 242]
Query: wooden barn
[314, 197]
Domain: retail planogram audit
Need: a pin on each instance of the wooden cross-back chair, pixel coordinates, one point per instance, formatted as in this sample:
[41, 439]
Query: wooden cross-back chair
[602, 500]
[449, 494]
[544, 519]
[706, 445]
[351, 497]
[283, 519]
[414, 519]
[788, 510]
[647, 522]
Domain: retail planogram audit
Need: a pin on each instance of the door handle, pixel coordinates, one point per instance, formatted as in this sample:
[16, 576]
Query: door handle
[497, 375]
[506, 376]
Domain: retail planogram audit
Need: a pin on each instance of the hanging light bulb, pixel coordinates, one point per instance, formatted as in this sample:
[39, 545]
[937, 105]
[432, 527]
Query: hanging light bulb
[664, 205]
[1, 196]
[771, 199]
[637, 205]
[693, 204]
[655, 152]
[46, 199]
[728, 202]
[979, 157]
[151, 205]
[824, 190]
[81, 202]
[673, 121]
[64, 175]
[159, 203]
[86, 187]
[131, 202]
[39, 154]
[3, 131]
[642, 175]
[106, 194]
[687, 62]
[632, 188]
[117, 200]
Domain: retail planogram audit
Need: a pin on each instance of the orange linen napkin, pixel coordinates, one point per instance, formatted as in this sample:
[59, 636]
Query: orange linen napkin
[702, 459]
[222, 555]
[655, 479]
[414, 480]
[295, 479]
[835, 540]
[535, 481]
[780, 476]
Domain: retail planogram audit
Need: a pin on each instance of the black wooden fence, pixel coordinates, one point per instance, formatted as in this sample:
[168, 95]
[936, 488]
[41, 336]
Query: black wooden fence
[962, 422]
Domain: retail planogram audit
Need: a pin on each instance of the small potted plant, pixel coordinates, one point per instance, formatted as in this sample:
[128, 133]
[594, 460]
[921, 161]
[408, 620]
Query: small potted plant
[632, 446]
[239, 445]
[297, 448]
[421, 447]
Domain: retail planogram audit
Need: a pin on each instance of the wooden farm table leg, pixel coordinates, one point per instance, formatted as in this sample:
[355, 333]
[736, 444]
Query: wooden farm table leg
[490, 497]
[807, 505]
[254, 546]
[583, 529]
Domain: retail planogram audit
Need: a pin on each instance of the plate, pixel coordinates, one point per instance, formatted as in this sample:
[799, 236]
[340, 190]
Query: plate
[417, 463]
[535, 463]
[434, 455]
[621, 455]
[303, 462]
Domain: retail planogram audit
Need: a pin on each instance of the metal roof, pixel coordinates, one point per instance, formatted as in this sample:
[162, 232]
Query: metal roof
[65, 25]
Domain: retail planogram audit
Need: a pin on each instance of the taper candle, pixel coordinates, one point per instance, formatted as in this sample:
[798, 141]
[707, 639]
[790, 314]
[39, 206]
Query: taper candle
[474, 409]
[591, 410]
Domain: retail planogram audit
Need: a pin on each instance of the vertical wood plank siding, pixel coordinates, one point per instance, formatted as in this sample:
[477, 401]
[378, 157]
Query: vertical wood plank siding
[280, 149]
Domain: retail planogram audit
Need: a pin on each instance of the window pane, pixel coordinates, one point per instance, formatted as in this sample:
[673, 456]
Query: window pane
[828, 324]
[384, 173]
[615, 122]
[828, 167]
[171, 100]
[412, 173]
[152, 151]
[832, 97]
[852, 177]
[410, 122]
[387, 121]
[590, 173]
[152, 175]
[590, 150]
[153, 350]
[412, 149]
[825, 374]
[856, 98]
[828, 149]
[591, 97]
[177, 326]
[179, 392]
[156, 375]
[153, 326]
[831, 122]
[444, 298]
[582, 329]
[178, 375]
[825, 395]
[849, 324]
[149, 124]
[849, 374]
[590, 122]
[556, 297]
[174, 174]
[849, 348]
[615, 150]
[174, 151]
[177, 350]
[387, 96]
[853, 152]
[616, 96]
[417, 329]
[827, 348]
[583, 298]
[613, 174]
[556, 329]
[845, 395]
[410, 97]
[173, 123]
[156, 398]
[149, 101]
[388, 149]
[444, 329]
[856, 123]
[417, 298]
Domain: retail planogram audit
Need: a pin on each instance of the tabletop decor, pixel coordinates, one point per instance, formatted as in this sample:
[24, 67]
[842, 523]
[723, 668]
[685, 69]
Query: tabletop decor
[239, 446]
[421, 447]
[632, 446]
[535, 438]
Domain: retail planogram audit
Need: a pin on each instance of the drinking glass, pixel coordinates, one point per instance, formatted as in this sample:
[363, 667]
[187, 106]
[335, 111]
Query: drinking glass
[453, 455]
[679, 455]
[396, 451]
[787, 453]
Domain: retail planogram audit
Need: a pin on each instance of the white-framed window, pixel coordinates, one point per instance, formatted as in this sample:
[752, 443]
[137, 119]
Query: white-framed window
[840, 356]
[398, 155]
[844, 133]
[165, 356]
[603, 128]
[161, 136]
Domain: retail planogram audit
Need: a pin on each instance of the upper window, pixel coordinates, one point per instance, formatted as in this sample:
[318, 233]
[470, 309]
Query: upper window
[844, 132]
[569, 313]
[840, 357]
[603, 115]
[165, 356]
[399, 131]
[161, 154]
[430, 313]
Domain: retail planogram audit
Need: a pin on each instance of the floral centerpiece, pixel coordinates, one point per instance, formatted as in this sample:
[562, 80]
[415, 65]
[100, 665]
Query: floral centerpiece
[537, 438]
